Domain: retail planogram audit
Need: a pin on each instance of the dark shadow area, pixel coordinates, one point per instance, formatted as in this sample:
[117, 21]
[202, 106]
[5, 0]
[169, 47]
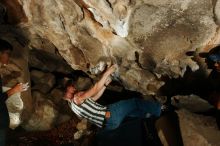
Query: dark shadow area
[206, 86]
[132, 132]
[197, 82]
[190, 83]
[169, 125]
[110, 97]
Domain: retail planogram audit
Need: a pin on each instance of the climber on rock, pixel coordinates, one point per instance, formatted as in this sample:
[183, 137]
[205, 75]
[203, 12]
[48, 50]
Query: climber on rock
[5, 51]
[83, 104]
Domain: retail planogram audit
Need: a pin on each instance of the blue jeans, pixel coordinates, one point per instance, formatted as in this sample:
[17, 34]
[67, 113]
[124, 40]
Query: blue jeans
[130, 108]
[2, 137]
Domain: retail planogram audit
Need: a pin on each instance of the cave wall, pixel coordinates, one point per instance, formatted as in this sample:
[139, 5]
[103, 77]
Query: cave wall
[147, 39]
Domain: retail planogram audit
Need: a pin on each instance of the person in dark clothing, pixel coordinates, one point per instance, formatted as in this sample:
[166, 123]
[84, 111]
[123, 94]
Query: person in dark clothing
[5, 51]
[213, 61]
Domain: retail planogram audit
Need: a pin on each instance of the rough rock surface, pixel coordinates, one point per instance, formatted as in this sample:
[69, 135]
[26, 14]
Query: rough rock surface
[83, 83]
[192, 103]
[56, 96]
[43, 82]
[217, 12]
[48, 61]
[44, 116]
[147, 39]
[198, 130]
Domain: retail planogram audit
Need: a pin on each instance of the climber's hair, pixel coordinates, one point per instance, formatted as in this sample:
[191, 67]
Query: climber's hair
[70, 82]
[5, 46]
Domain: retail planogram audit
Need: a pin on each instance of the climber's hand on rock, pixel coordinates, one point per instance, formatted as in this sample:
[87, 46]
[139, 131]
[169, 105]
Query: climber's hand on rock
[18, 88]
[111, 69]
[25, 86]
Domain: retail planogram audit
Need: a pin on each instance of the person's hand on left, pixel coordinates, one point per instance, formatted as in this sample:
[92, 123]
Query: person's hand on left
[18, 88]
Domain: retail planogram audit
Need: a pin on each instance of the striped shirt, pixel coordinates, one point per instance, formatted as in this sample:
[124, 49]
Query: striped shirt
[91, 110]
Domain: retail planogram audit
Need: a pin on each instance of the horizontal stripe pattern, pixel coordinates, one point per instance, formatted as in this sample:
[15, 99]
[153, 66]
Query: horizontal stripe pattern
[91, 110]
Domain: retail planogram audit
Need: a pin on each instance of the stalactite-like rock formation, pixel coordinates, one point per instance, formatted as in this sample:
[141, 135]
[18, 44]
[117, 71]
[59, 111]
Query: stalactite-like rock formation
[147, 39]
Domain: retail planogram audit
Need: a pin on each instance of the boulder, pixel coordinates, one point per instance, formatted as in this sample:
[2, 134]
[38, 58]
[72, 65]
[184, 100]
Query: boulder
[198, 130]
[83, 83]
[44, 88]
[43, 118]
[43, 82]
[217, 12]
[189, 129]
[128, 33]
[56, 96]
[192, 103]
[82, 129]
[38, 96]
[147, 39]
[36, 75]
